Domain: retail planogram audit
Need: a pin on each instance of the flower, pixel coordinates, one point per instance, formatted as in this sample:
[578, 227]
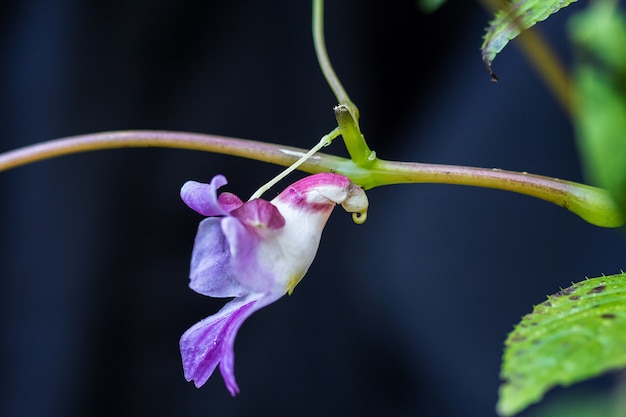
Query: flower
[255, 252]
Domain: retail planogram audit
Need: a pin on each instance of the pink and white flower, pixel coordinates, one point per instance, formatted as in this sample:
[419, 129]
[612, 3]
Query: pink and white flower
[256, 252]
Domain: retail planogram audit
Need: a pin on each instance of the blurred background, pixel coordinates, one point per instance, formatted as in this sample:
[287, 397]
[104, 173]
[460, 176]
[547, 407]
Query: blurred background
[405, 315]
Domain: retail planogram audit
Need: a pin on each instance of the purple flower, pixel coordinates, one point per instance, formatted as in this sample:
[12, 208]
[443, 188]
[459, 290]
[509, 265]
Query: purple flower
[255, 252]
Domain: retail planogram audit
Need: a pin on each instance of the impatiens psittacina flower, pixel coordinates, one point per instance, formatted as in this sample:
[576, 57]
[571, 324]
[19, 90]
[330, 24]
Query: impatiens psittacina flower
[256, 252]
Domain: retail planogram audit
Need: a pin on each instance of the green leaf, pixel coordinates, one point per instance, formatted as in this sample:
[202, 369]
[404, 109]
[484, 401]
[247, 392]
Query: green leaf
[429, 6]
[579, 403]
[578, 333]
[509, 21]
[599, 36]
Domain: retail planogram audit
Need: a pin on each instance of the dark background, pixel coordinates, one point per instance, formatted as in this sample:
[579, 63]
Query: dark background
[403, 316]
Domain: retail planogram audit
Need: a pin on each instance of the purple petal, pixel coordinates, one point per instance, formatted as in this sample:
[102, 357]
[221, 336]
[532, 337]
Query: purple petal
[249, 227]
[203, 197]
[211, 341]
[211, 273]
[244, 244]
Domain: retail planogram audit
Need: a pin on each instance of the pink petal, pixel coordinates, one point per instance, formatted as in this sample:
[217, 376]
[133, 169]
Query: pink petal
[259, 213]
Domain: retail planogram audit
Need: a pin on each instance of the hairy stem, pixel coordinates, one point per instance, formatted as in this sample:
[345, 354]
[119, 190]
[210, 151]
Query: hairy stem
[260, 151]
[593, 204]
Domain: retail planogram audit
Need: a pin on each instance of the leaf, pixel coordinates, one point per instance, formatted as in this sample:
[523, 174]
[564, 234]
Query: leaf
[584, 402]
[599, 36]
[509, 21]
[429, 6]
[578, 333]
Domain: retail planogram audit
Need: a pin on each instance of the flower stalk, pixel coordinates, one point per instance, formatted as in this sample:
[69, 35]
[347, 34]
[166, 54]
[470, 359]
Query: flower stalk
[325, 141]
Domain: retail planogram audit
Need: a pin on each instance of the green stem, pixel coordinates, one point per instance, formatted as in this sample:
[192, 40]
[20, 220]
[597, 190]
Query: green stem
[346, 112]
[322, 57]
[359, 152]
[592, 204]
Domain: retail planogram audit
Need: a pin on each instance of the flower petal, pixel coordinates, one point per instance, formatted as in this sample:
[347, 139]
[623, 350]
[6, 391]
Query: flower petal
[244, 244]
[249, 227]
[316, 192]
[260, 214]
[211, 273]
[211, 341]
[229, 201]
[203, 197]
